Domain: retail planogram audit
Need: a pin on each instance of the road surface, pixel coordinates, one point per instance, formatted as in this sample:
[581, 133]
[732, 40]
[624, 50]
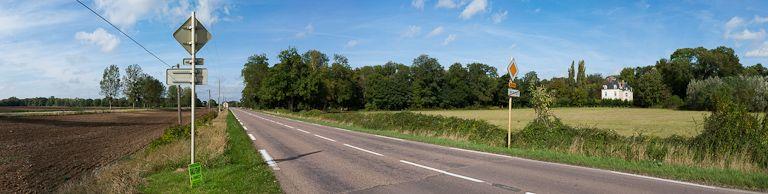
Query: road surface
[310, 158]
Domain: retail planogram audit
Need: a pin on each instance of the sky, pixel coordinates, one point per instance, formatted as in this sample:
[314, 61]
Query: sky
[59, 48]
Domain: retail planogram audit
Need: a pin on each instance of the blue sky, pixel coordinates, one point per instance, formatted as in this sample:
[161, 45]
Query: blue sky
[59, 48]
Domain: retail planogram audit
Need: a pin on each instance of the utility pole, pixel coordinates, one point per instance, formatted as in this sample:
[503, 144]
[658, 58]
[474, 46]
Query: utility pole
[178, 98]
[209, 100]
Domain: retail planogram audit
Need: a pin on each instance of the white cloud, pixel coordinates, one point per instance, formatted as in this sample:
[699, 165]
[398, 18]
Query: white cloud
[733, 23]
[411, 32]
[537, 10]
[499, 17]
[747, 35]
[418, 4]
[437, 31]
[474, 7]
[446, 4]
[351, 43]
[449, 39]
[760, 20]
[126, 13]
[100, 37]
[19, 17]
[309, 29]
[207, 11]
[762, 51]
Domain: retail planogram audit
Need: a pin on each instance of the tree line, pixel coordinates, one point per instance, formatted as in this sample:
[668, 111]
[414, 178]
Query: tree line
[134, 89]
[311, 80]
[141, 89]
[692, 78]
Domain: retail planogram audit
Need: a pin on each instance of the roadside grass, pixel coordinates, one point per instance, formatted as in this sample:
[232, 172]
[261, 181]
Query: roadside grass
[238, 170]
[625, 121]
[711, 176]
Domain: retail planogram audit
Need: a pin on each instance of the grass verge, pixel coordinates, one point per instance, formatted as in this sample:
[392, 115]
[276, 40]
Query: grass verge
[710, 176]
[238, 170]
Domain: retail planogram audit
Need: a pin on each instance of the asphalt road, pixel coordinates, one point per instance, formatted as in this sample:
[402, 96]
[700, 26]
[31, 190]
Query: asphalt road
[310, 158]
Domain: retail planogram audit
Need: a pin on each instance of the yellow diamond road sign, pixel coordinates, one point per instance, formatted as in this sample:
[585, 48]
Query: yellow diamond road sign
[184, 35]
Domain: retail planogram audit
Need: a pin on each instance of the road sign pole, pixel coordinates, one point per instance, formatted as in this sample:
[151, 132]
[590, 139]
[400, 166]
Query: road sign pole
[509, 123]
[178, 99]
[192, 131]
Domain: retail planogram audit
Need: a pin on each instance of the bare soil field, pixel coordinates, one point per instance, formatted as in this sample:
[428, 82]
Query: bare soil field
[41, 152]
[49, 108]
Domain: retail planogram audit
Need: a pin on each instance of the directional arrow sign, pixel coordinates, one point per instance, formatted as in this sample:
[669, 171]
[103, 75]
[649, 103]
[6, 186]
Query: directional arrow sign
[513, 93]
[184, 35]
[184, 76]
[198, 61]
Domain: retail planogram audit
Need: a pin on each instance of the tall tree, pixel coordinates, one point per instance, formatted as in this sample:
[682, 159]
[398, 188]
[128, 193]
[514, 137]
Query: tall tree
[718, 62]
[676, 74]
[427, 75]
[339, 83]
[456, 91]
[582, 75]
[279, 89]
[628, 75]
[388, 87]
[650, 90]
[254, 71]
[110, 83]
[481, 79]
[571, 73]
[311, 89]
[152, 91]
[132, 88]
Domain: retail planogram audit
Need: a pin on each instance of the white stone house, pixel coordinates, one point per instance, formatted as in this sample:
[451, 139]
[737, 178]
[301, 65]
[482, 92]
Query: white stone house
[616, 90]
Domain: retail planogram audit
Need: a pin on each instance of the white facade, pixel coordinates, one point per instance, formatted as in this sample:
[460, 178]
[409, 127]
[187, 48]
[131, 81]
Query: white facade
[617, 94]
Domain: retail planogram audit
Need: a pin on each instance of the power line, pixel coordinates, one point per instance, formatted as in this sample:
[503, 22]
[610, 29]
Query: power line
[121, 31]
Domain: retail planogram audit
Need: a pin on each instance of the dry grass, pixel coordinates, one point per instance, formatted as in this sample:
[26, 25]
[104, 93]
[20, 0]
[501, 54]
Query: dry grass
[126, 175]
[625, 121]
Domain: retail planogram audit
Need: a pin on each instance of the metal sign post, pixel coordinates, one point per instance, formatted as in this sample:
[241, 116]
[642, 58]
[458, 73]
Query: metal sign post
[511, 93]
[192, 36]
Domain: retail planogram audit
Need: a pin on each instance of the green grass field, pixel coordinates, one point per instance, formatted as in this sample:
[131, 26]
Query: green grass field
[625, 121]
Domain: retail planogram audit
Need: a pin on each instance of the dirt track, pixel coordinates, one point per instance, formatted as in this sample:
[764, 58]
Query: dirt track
[39, 153]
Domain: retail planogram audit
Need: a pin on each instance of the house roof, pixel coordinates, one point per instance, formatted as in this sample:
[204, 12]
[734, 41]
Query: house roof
[612, 83]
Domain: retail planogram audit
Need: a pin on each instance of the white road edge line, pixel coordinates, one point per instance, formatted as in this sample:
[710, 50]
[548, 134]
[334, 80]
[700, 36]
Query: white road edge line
[385, 137]
[252, 138]
[361, 149]
[479, 152]
[303, 131]
[329, 139]
[444, 172]
[269, 159]
[530, 193]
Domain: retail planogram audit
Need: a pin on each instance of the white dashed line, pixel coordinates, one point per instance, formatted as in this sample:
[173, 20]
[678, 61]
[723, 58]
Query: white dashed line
[302, 130]
[329, 139]
[444, 172]
[269, 160]
[252, 138]
[361, 149]
[530, 193]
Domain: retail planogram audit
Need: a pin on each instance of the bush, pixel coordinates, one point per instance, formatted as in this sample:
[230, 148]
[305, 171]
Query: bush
[731, 130]
[753, 90]
[674, 102]
[476, 131]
